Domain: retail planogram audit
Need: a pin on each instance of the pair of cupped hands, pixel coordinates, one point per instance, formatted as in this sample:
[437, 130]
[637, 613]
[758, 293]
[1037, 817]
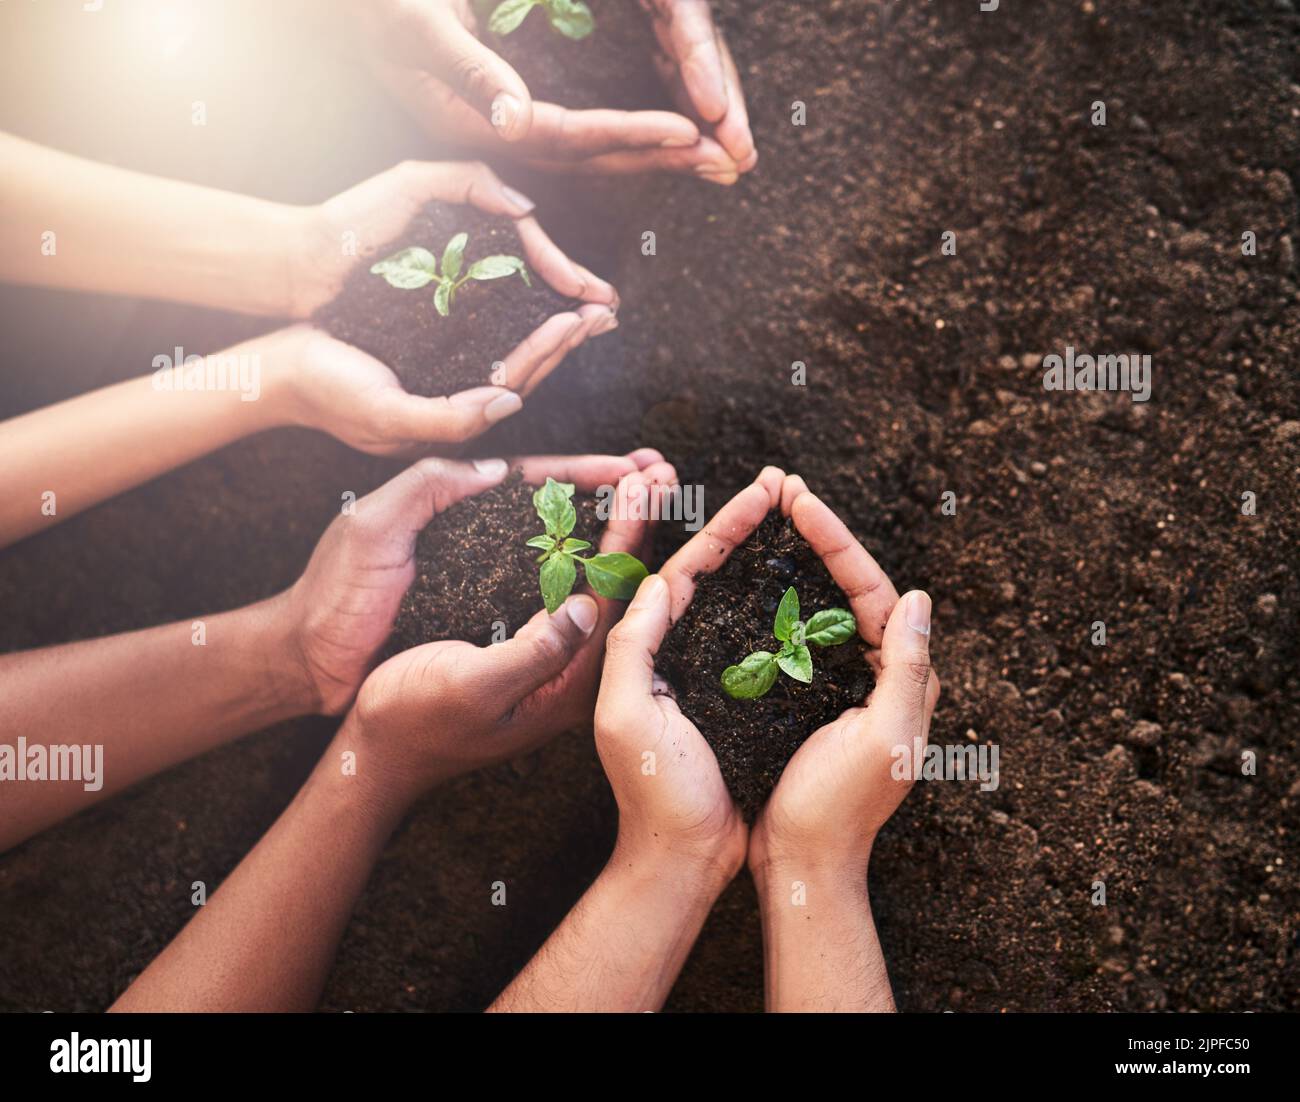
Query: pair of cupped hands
[433, 57]
[445, 708]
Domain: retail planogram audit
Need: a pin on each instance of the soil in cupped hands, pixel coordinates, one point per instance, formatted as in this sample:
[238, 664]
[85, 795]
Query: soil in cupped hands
[730, 616]
[434, 355]
[473, 568]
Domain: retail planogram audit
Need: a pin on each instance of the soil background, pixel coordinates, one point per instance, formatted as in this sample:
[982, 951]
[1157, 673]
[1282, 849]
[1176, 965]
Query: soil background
[1119, 763]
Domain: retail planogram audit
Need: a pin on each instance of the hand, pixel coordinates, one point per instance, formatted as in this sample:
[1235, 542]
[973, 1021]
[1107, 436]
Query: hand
[839, 789]
[445, 708]
[428, 54]
[672, 800]
[698, 69]
[322, 383]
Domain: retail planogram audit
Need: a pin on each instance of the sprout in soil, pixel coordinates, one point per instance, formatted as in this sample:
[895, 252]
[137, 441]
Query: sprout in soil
[614, 575]
[571, 18]
[415, 267]
[757, 673]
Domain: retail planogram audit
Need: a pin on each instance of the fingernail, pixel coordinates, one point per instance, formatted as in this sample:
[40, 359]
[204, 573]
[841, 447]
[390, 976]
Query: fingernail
[582, 611]
[651, 592]
[505, 109]
[918, 612]
[502, 407]
[604, 325]
[492, 468]
[518, 198]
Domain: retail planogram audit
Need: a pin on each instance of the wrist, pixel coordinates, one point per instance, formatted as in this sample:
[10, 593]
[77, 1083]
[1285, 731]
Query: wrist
[777, 867]
[361, 777]
[280, 649]
[700, 870]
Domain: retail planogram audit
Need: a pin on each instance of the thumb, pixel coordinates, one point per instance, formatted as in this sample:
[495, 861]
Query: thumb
[478, 75]
[630, 648]
[444, 420]
[907, 688]
[403, 505]
[504, 673]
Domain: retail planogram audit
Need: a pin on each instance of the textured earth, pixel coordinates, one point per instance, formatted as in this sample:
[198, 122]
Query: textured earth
[1120, 763]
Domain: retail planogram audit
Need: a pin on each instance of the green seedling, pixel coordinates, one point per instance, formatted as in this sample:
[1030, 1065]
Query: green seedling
[615, 575]
[757, 673]
[413, 268]
[571, 18]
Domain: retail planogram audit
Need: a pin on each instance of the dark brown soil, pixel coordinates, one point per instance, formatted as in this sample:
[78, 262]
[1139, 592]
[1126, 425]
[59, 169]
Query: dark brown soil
[473, 568]
[731, 616]
[431, 354]
[1071, 507]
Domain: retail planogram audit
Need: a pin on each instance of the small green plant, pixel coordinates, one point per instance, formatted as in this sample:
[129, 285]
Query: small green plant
[415, 267]
[757, 673]
[571, 18]
[615, 575]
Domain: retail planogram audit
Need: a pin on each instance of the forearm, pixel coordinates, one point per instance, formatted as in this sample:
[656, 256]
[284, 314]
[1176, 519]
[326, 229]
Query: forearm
[266, 940]
[135, 704]
[67, 457]
[623, 944]
[820, 949]
[73, 223]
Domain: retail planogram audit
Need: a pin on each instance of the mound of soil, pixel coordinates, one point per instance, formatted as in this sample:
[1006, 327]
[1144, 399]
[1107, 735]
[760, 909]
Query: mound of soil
[731, 616]
[431, 354]
[473, 570]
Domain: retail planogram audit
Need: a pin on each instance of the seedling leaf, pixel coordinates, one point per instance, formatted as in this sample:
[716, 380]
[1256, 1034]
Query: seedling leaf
[554, 506]
[544, 543]
[752, 678]
[615, 575]
[453, 255]
[831, 627]
[797, 662]
[497, 267]
[509, 14]
[787, 615]
[557, 577]
[575, 545]
[571, 18]
[442, 298]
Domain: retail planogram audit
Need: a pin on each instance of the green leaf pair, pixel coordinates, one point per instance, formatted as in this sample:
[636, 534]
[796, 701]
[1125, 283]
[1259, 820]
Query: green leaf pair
[615, 575]
[571, 18]
[757, 672]
[413, 268]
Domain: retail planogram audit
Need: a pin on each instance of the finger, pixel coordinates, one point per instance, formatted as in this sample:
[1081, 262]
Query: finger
[536, 348]
[709, 548]
[566, 277]
[685, 32]
[411, 419]
[733, 130]
[872, 596]
[644, 457]
[631, 647]
[587, 472]
[791, 487]
[907, 689]
[595, 321]
[505, 673]
[629, 519]
[706, 158]
[480, 76]
[564, 133]
[403, 505]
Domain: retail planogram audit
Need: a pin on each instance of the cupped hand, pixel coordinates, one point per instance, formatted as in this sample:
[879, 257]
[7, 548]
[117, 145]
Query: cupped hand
[430, 56]
[445, 708]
